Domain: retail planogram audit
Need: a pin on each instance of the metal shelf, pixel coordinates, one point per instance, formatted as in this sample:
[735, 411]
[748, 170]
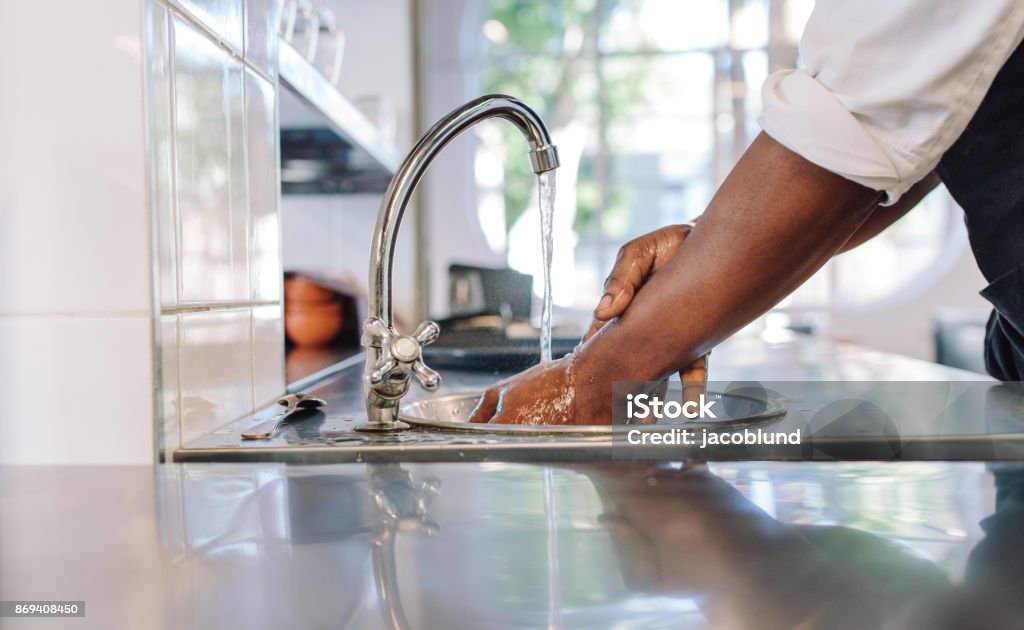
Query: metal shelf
[327, 145]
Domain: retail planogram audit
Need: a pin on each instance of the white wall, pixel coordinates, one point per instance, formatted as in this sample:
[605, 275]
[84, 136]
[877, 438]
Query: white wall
[332, 232]
[213, 110]
[450, 68]
[906, 327]
[76, 374]
[140, 258]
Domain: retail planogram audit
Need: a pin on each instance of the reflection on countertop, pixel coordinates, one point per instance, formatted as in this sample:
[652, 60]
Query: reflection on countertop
[492, 545]
[849, 403]
[302, 363]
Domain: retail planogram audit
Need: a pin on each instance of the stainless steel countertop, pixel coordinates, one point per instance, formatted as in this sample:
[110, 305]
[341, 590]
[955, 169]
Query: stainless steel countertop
[495, 545]
[929, 412]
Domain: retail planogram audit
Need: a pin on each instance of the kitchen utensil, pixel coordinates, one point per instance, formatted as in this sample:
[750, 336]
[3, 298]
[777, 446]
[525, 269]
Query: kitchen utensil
[291, 403]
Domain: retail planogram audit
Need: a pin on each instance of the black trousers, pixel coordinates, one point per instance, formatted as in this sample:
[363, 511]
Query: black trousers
[984, 171]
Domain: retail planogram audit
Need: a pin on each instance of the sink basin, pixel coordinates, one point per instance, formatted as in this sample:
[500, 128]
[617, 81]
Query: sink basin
[489, 352]
[450, 413]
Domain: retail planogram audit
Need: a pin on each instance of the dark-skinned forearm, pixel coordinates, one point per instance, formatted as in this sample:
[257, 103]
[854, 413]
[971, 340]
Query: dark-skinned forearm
[775, 221]
[884, 216]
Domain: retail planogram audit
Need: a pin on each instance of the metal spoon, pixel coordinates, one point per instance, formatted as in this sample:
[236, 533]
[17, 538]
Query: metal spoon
[291, 403]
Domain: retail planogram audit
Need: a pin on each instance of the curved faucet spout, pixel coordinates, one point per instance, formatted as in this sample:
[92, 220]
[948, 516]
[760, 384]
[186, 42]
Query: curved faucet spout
[543, 157]
[391, 357]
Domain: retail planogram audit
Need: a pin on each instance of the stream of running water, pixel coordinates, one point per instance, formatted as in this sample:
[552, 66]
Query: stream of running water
[546, 185]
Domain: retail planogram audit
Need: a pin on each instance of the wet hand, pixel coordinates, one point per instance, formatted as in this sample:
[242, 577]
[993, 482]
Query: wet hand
[637, 261]
[546, 393]
[543, 394]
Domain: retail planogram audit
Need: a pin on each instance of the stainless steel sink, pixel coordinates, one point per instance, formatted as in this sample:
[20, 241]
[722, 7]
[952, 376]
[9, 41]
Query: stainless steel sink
[451, 413]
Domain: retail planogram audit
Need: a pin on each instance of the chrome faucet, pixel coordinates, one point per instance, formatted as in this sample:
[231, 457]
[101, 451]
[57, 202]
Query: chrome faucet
[391, 357]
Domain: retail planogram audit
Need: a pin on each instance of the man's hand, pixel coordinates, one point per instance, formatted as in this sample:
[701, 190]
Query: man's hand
[543, 394]
[775, 220]
[637, 261]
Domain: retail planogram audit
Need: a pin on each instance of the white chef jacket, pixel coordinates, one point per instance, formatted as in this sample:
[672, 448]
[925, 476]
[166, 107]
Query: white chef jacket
[889, 85]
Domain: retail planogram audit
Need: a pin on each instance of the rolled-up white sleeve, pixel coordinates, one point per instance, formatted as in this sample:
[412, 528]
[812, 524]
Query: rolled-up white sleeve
[889, 85]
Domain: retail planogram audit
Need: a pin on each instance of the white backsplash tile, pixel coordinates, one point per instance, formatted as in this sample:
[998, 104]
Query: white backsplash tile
[215, 184]
[262, 18]
[169, 401]
[77, 300]
[239, 178]
[215, 364]
[223, 17]
[264, 189]
[161, 168]
[268, 354]
[73, 221]
[103, 371]
[209, 132]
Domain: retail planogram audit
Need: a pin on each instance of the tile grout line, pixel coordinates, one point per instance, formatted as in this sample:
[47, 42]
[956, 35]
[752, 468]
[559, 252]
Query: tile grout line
[75, 315]
[175, 228]
[180, 12]
[216, 307]
[153, 166]
[249, 230]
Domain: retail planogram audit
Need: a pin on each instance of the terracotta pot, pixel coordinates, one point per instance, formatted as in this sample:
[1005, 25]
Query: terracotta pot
[300, 289]
[313, 326]
[332, 306]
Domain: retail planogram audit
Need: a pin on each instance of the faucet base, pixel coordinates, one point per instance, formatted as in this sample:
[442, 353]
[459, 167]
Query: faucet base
[382, 427]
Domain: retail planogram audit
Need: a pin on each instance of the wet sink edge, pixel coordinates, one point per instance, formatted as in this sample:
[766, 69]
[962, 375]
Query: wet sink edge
[1011, 448]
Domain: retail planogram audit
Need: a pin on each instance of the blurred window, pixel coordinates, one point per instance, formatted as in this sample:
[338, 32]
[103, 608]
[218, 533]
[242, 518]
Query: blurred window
[651, 102]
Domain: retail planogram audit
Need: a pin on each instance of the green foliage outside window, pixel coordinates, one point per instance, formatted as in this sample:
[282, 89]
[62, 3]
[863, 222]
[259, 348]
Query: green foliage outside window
[549, 57]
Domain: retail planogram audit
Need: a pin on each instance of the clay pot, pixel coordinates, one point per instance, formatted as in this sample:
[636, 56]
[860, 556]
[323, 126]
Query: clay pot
[313, 323]
[300, 289]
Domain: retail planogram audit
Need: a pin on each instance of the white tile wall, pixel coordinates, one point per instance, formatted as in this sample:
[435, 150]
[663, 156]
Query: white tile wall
[162, 159]
[73, 216]
[267, 354]
[223, 17]
[76, 373]
[209, 132]
[226, 258]
[238, 180]
[170, 390]
[261, 22]
[215, 368]
[77, 389]
[124, 147]
[264, 184]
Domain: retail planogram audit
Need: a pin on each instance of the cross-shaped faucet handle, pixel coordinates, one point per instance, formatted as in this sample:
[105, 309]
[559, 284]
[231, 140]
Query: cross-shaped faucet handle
[401, 355]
